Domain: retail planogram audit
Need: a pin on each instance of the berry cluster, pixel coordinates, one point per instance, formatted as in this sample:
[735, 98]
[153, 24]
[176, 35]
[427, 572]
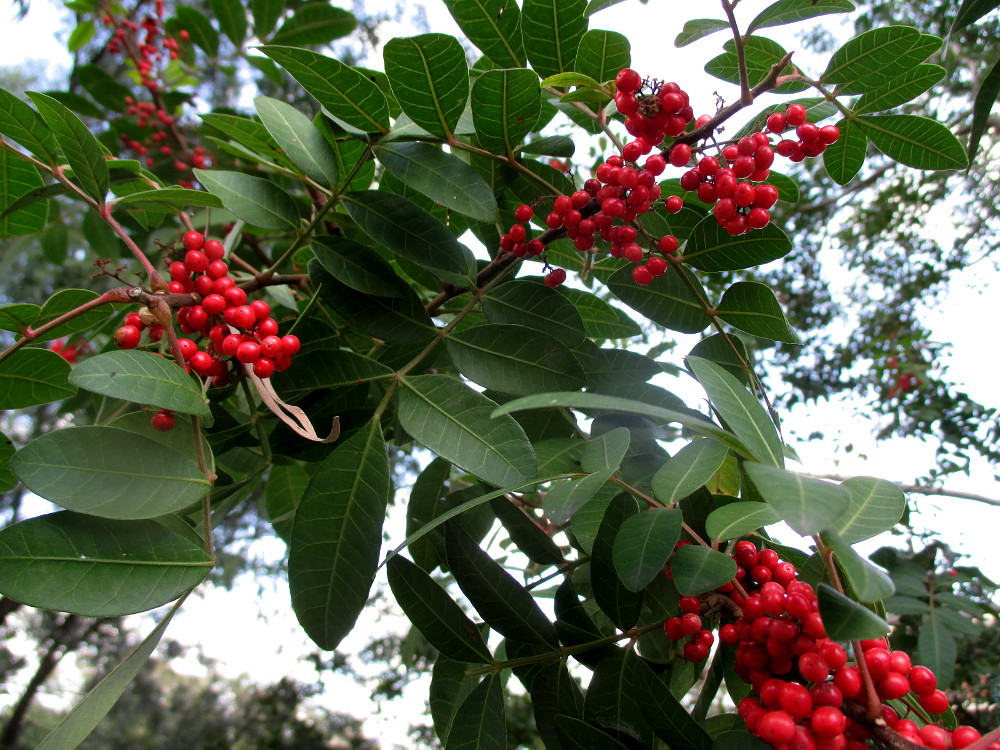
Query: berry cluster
[150, 50]
[228, 324]
[622, 189]
[66, 350]
[804, 692]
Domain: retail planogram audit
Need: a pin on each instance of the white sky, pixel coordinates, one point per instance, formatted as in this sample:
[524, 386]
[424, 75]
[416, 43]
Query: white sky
[962, 320]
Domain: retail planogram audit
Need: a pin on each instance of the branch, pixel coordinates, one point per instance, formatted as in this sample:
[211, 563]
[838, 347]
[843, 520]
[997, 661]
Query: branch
[924, 490]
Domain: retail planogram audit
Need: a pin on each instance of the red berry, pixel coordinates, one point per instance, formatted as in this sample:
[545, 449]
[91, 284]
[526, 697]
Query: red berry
[196, 261]
[260, 308]
[193, 240]
[656, 266]
[234, 296]
[555, 277]
[695, 652]
[230, 344]
[690, 623]
[178, 271]
[795, 115]
[214, 249]
[244, 316]
[828, 720]
[163, 421]
[922, 681]
[964, 736]
[813, 667]
[628, 81]
[267, 327]
[934, 703]
[655, 164]
[217, 269]
[891, 686]
[680, 154]
[201, 362]
[642, 276]
[248, 352]
[776, 122]
[197, 317]
[795, 699]
[263, 367]
[205, 285]
[776, 727]
[674, 204]
[829, 134]
[127, 337]
[214, 304]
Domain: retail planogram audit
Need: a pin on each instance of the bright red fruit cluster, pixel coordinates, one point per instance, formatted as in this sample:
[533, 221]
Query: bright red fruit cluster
[622, 189]
[805, 693]
[228, 325]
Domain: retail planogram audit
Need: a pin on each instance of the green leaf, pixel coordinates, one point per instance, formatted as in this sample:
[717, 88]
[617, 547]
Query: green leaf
[412, 233]
[601, 320]
[528, 303]
[524, 531]
[232, 18]
[314, 24]
[906, 605]
[621, 604]
[736, 520]
[711, 248]
[255, 200]
[199, 27]
[337, 535]
[506, 105]
[109, 472]
[343, 91]
[695, 424]
[552, 31]
[936, 647]
[103, 87]
[23, 125]
[761, 55]
[63, 302]
[82, 33]
[81, 149]
[98, 567]
[392, 319]
[844, 159]
[689, 469]
[435, 614]
[18, 178]
[18, 317]
[494, 26]
[565, 80]
[551, 145]
[565, 499]
[286, 483]
[430, 80]
[576, 734]
[301, 141]
[7, 479]
[807, 505]
[265, 14]
[449, 688]
[742, 412]
[667, 301]
[696, 569]
[455, 422]
[752, 307]
[170, 198]
[970, 12]
[869, 59]
[143, 378]
[915, 141]
[442, 177]
[989, 88]
[480, 723]
[697, 28]
[875, 506]
[602, 54]
[33, 376]
[74, 728]
[790, 11]
[845, 619]
[514, 359]
[357, 266]
[669, 719]
[905, 87]
[605, 452]
[867, 583]
[502, 602]
[643, 545]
